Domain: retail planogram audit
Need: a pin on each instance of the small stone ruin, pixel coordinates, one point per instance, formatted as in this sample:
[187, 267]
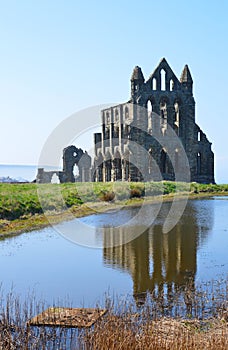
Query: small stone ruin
[71, 156]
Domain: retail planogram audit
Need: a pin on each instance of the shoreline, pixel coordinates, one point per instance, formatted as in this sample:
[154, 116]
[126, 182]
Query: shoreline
[36, 222]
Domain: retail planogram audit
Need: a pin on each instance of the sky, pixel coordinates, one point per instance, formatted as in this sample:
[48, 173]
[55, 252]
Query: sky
[60, 57]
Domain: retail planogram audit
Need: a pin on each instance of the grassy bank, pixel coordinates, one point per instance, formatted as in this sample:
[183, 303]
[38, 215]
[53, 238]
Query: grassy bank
[21, 208]
[154, 325]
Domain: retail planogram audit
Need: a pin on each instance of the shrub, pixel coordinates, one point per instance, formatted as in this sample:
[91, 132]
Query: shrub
[137, 190]
[107, 196]
[169, 187]
[135, 193]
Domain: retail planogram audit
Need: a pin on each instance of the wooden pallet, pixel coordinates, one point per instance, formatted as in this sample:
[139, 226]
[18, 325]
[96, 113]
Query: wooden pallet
[67, 317]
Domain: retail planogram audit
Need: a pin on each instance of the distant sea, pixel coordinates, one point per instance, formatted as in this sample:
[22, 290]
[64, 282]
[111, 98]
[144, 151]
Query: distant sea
[29, 172]
[26, 172]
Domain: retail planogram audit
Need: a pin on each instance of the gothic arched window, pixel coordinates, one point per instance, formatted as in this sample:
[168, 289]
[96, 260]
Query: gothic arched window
[154, 84]
[163, 80]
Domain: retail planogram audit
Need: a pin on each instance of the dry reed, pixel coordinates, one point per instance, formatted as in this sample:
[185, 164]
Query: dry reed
[149, 321]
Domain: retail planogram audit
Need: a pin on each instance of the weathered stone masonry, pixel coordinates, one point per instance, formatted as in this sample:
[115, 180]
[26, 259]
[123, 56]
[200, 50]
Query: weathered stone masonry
[71, 156]
[172, 100]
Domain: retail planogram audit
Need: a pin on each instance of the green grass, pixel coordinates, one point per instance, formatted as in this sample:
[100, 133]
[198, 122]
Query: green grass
[211, 188]
[18, 201]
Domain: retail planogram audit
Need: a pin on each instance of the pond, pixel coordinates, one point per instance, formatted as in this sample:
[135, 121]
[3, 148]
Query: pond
[125, 259]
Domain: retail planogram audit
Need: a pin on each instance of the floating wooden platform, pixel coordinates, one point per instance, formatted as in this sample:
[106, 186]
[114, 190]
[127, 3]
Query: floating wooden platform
[67, 317]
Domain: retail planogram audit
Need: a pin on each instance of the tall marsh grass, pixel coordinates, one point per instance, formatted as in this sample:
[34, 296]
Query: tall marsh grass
[126, 325]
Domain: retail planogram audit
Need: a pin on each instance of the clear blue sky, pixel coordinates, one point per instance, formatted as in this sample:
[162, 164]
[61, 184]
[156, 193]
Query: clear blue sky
[57, 57]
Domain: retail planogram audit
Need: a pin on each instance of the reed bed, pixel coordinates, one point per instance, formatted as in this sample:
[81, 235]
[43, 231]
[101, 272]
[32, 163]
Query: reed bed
[150, 321]
[165, 333]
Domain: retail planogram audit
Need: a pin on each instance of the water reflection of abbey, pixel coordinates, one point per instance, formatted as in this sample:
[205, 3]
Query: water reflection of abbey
[155, 260]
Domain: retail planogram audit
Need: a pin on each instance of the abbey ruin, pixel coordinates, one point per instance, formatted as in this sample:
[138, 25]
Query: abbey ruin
[151, 137]
[72, 156]
[156, 104]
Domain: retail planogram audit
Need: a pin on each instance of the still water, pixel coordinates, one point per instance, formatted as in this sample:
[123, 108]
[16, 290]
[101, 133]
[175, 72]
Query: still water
[54, 268]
